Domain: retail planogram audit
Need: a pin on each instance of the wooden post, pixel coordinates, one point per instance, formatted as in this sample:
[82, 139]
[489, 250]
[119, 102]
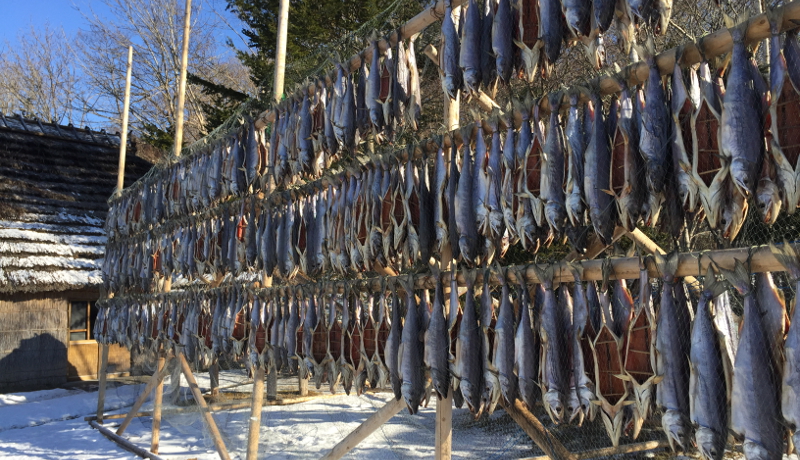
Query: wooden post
[302, 384]
[272, 383]
[198, 398]
[255, 413]
[187, 24]
[159, 396]
[280, 52]
[534, 428]
[213, 374]
[365, 429]
[101, 392]
[154, 380]
[123, 139]
[124, 443]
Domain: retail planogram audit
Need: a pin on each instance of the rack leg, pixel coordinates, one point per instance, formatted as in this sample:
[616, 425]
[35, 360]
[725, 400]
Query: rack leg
[444, 427]
[159, 396]
[198, 397]
[101, 392]
[272, 383]
[365, 429]
[255, 413]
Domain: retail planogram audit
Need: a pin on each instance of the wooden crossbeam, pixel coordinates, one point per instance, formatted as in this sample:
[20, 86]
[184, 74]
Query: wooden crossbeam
[374, 422]
[534, 428]
[151, 384]
[124, 443]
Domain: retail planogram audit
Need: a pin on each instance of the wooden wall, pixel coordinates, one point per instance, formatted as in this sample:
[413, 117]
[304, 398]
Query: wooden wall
[33, 341]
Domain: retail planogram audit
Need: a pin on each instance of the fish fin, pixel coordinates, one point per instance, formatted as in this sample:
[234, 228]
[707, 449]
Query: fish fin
[788, 257]
[624, 377]
[711, 285]
[739, 277]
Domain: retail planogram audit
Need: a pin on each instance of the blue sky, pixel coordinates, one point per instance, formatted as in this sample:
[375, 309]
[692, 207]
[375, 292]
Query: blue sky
[17, 15]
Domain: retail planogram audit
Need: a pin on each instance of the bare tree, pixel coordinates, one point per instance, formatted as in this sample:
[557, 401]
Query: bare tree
[39, 78]
[154, 27]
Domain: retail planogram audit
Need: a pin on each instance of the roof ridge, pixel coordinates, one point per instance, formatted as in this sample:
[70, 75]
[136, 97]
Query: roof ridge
[69, 131]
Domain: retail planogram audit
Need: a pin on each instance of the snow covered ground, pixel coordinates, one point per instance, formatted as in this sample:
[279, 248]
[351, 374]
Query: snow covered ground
[49, 425]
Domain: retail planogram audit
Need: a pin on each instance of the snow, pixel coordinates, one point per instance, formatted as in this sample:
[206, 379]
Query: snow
[50, 261]
[50, 248]
[55, 277]
[68, 239]
[52, 228]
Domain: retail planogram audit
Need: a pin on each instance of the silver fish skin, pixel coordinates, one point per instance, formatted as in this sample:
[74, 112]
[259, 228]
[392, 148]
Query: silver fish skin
[755, 403]
[331, 144]
[362, 111]
[526, 348]
[427, 222]
[401, 79]
[290, 340]
[708, 394]
[621, 308]
[553, 169]
[306, 147]
[438, 194]
[437, 342]
[509, 182]
[392, 350]
[453, 179]
[465, 206]
[480, 183]
[252, 162]
[491, 387]
[414, 106]
[411, 365]
[453, 79]
[741, 136]
[597, 164]
[503, 40]
[578, 14]
[495, 177]
[374, 89]
[524, 139]
[583, 386]
[504, 336]
[488, 65]
[551, 27]
[672, 362]
[556, 357]
[470, 57]
[654, 134]
[790, 379]
[773, 316]
[576, 147]
[348, 120]
[603, 13]
[470, 350]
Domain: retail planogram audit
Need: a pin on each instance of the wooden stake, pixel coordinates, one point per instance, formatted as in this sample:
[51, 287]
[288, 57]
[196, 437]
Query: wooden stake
[255, 413]
[444, 427]
[272, 383]
[101, 392]
[365, 429]
[280, 52]
[187, 24]
[124, 443]
[534, 428]
[198, 398]
[154, 380]
[302, 385]
[123, 140]
[159, 396]
[213, 374]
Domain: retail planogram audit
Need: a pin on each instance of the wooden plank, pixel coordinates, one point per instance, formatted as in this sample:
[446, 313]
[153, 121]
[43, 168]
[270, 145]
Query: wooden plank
[534, 428]
[101, 392]
[124, 443]
[154, 380]
[198, 397]
[255, 413]
[159, 396]
[374, 422]
[623, 449]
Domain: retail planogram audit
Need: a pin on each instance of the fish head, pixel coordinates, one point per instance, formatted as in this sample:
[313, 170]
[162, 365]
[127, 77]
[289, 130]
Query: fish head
[710, 444]
[596, 51]
[675, 427]
[733, 215]
[754, 451]
[575, 408]
[555, 408]
[768, 197]
[742, 176]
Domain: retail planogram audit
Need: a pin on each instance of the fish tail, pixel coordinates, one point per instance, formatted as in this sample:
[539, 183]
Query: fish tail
[739, 277]
[739, 32]
[577, 271]
[712, 287]
[787, 256]
[775, 18]
[555, 100]
[470, 276]
[545, 275]
[667, 264]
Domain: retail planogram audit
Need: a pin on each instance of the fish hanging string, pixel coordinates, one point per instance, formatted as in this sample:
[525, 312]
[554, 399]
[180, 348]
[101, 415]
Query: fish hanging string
[614, 350]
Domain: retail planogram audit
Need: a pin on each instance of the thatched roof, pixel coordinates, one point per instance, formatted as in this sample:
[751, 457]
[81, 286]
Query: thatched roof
[54, 183]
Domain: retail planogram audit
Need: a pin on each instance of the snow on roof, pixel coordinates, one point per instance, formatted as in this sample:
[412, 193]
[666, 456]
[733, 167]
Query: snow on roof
[54, 183]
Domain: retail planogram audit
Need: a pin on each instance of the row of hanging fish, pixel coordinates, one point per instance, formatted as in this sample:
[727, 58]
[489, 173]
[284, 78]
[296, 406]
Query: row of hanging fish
[495, 40]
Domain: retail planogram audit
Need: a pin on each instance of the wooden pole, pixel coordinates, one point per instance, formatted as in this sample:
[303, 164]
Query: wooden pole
[123, 139]
[159, 396]
[534, 428]
[280, 52]
[124, 443]
[154, 380]
[255, 413]
[213, 374]
[187, 25]
[101, 392]
[365, 429]
[198, 398]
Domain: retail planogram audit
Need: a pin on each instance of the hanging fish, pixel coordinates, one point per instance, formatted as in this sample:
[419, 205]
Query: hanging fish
[686, 97]
[494, 173]
[553, 170]
[414, 106]
[577, 141]
[411, 351]
[392, 349]
[437, 341]
[597, 163]
[491, 388]
[504, 332]
[581, 385]
[526, 346]
[373, 95]
[470, 57]
[674, 319]
[755, 404]
[502, 40]
[451, 49]
[465, 207]
[627, 181]
[469, 351]
[488, 64]
[655, 129]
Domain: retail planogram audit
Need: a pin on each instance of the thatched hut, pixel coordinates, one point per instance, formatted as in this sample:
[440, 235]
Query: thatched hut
[54, 183]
